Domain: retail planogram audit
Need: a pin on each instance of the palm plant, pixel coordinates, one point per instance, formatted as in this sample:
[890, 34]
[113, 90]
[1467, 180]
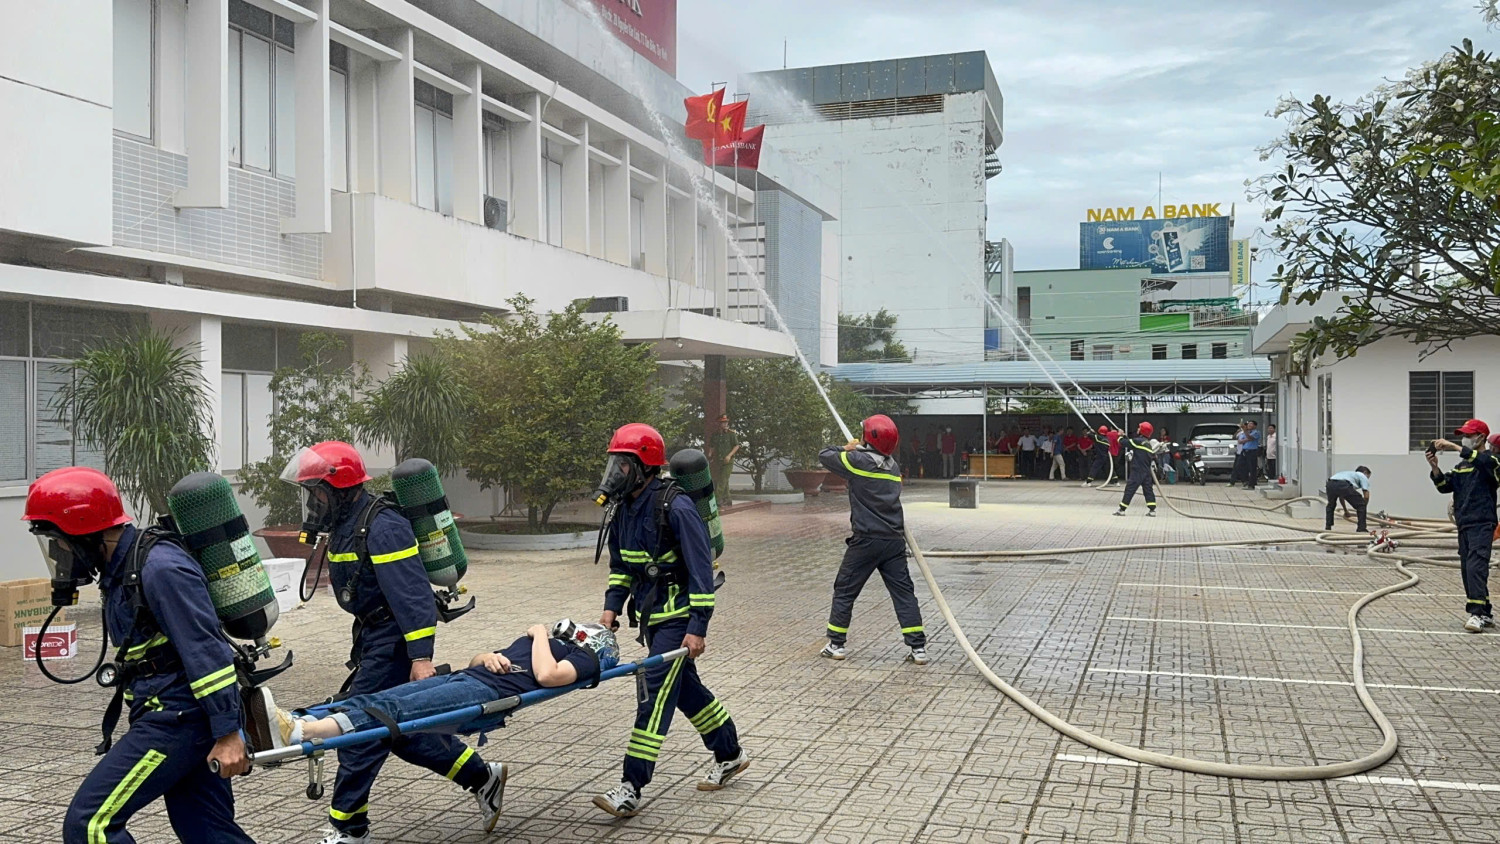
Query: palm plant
[142, 399]
[419, 411]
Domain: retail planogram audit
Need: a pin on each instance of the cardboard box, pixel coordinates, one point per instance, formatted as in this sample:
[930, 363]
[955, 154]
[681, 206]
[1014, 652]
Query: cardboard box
[24, 603]
[61, 642]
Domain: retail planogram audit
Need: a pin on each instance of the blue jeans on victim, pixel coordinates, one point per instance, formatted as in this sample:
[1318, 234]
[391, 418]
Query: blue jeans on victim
[410, 701]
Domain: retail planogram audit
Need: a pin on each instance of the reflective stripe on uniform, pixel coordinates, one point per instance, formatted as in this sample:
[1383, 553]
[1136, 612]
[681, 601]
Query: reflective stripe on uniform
[137, 651]
[620, 580]
[661, 696]
[880, 476]
[421, 634]
[122, 794]
[343, 557]
[917, 629]
[837, 629]
[347, 816]
[664, 616]
[711, 718]
[644, 744]
[643, 557]
[696, 599]
[392, 557]
[458, 763]
[205, 686]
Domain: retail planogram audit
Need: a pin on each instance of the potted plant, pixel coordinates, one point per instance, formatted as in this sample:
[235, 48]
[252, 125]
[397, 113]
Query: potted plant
[314, 401]
[142, 399]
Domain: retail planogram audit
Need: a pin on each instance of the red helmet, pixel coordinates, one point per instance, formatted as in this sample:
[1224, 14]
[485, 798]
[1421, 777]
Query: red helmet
[642, 440]
[1145, 429]
[336, 462]
[1495, 442]
[77, 499]
[1474, 427]
[1103, 429]
[880, 432]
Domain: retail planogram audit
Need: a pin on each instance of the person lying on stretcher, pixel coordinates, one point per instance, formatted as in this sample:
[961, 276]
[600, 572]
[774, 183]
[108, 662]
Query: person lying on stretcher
[543, 658]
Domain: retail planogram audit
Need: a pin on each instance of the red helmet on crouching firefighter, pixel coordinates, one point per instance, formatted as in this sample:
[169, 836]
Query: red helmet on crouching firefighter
[636, 454]
[880, 433]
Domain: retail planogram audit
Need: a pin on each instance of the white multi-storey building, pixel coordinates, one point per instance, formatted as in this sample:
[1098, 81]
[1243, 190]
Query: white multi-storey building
[242, 171]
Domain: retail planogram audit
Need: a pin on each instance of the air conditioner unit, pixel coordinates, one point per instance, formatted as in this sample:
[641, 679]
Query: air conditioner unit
[606, 304]
[496, 212]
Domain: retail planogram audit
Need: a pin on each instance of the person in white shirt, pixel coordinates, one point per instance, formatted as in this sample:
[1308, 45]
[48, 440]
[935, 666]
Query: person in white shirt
[1028, 455]
[1271, 473]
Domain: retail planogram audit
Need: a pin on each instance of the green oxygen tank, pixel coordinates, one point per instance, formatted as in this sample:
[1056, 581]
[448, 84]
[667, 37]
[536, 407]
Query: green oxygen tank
[690, 471]
[218, 537]
[419, 492]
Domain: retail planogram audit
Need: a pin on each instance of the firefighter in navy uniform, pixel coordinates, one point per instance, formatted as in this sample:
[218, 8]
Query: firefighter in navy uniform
[878, 542]
[378, 577]
[176, 670]
[1473, 483]
[661, 561]
[1140, 458]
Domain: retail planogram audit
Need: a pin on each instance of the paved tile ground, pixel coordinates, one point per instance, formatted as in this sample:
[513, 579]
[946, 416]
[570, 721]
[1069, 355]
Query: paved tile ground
[1226, 654]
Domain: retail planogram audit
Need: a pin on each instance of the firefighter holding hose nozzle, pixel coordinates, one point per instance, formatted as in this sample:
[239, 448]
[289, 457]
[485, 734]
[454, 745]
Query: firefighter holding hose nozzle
[1473, 484]
[1140, 454]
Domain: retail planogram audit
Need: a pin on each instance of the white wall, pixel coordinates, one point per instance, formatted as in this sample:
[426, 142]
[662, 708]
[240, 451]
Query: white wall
[912, 219]
[55, 94]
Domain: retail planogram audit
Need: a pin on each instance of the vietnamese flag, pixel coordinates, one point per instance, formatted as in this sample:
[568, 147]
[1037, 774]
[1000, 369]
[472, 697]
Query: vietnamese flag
[731, 123]
[744, 152]
[703, 114]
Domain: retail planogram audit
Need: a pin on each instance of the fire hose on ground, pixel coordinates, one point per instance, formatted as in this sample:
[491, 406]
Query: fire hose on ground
[1383, 550]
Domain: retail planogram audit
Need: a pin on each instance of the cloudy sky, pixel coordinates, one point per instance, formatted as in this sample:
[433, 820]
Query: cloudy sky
[1101, 95]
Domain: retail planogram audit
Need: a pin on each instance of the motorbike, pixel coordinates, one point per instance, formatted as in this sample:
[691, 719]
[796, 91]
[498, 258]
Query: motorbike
[1188, 463]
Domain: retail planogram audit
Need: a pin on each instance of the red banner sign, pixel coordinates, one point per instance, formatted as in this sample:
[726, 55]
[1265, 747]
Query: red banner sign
[648, 27]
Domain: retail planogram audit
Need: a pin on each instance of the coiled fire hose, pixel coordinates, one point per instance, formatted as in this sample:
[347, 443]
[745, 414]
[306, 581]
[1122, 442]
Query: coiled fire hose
[1374, 759]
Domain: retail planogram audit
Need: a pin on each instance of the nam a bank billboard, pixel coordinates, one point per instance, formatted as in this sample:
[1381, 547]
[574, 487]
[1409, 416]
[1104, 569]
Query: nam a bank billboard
[1177, 241]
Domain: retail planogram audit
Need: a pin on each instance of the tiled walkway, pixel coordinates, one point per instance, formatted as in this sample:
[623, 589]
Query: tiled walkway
[1227, 654]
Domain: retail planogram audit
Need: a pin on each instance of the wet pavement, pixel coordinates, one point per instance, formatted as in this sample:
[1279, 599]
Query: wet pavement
[1234, 655]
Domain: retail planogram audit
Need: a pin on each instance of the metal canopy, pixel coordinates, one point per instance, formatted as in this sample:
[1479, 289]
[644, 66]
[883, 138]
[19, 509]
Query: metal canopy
[1204, 381]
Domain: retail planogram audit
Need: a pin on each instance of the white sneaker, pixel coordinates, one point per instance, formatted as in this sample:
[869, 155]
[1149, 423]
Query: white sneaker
[271, 728]
[833, 651]
[622, 801]
[491, 794]
[918, 656]
[1477, 623]
[718, 773]
[337, 837]
[1087, 484]
[1119, 513]
[1151, 513]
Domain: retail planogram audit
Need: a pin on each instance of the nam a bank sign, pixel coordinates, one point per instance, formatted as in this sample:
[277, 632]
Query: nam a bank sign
[1168, 212]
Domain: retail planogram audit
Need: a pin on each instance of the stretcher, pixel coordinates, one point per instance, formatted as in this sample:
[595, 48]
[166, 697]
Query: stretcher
[480, 718]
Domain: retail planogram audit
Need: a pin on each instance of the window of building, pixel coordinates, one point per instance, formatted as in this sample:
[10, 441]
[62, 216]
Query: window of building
[1075, 350]
[252, 354]
[638, 232]
[262, 99]
[703, 256]
[1159, 351]
[1219, 351]
[338, 127]
[134, 27]
[36, 344]
[1023, 307]
[1104, 352]
[1438, 402]
[434, 149]
[1189, 351]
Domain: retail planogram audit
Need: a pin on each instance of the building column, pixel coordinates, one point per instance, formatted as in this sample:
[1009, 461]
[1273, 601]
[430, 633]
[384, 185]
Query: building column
[684, 239]
[206, 106]
[314, 209]
[654, 227]
[203, 336]
[526, 163]
[715, 392]
[397, 119]
[575, 193]
[382, 354]
[468, 147]
[617, 207]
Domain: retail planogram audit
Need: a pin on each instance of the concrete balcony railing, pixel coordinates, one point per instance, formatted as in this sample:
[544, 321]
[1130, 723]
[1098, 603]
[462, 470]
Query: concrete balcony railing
[394, 247]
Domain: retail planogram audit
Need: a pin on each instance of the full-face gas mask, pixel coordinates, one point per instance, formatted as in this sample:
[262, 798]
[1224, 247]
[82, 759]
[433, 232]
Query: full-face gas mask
[72, 561]
[594, 638]
[623, 474]
[323, 504]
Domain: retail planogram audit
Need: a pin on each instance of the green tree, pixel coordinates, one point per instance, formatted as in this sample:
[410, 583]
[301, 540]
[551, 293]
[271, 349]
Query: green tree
[314, 401]
[1389, 203]
[774, 407]
[419, 411]
[870, 337]
[1030, 404]
[547, 391]
[143, 400]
